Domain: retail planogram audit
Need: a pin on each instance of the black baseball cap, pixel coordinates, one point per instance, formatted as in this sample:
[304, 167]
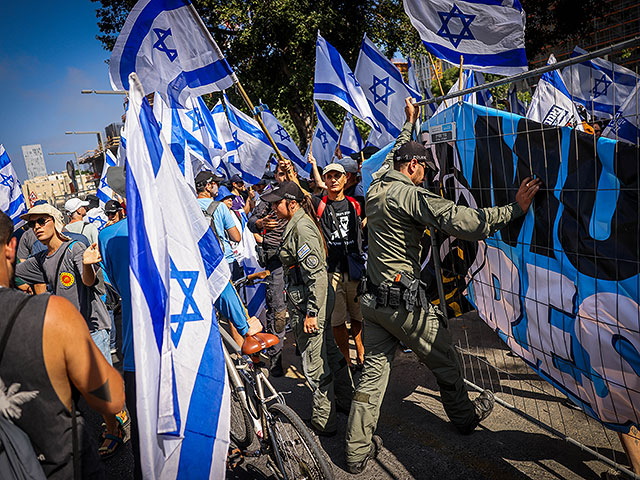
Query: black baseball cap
[409, 151]
[285, 190]
[112, 206]
[205, 177]
[236, 179]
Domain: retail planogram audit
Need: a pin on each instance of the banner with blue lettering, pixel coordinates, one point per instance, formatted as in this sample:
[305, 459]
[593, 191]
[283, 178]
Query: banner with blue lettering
[560, 285]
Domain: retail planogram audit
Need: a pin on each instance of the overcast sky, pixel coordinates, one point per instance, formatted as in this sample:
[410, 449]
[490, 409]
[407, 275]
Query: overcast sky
[48, 53]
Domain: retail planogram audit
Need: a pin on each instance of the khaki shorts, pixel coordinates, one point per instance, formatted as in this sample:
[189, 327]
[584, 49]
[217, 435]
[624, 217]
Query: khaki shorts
[346, 300]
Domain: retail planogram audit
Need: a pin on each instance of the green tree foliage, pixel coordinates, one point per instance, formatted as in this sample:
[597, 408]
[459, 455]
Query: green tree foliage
[271, 43]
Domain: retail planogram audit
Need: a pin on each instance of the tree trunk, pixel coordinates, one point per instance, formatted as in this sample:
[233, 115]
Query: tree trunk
[303, 123]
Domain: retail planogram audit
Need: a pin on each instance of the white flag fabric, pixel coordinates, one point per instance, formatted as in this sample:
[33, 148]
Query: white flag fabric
[488, 33]
[283, 140]
[626, 124]
[104, 192]
[121, 157]
[11, 198]
[600, 85]
[469, 79]
[97, 217]
[334, 81]
[351, 141]
[430, 108]
[325, 139]
[167, 45]
[385, 89]
[551, 102]
[177, 271]
[254, 148]
[223, 130]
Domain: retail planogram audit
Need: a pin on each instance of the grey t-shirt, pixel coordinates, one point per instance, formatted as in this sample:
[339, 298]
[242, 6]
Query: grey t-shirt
[87, 229]
[41, 268]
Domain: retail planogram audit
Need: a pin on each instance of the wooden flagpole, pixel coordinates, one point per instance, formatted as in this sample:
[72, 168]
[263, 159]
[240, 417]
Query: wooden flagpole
[460, 80]
[433, 65]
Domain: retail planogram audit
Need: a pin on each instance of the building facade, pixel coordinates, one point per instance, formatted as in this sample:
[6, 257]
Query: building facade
[34, 160]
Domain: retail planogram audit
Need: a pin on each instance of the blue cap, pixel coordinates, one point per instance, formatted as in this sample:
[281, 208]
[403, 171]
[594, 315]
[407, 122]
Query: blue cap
[349, 164]
[223, 192]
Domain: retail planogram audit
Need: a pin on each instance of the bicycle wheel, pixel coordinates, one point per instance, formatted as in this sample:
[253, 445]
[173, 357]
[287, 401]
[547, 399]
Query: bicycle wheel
[301, 456]
[241, 427]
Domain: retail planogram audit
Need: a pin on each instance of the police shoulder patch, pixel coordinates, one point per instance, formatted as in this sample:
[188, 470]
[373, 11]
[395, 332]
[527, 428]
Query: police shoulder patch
[303, 251]
[312, 261]
[67, 279]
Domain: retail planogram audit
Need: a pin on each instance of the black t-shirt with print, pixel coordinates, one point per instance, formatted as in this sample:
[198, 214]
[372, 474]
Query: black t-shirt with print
[345, 215]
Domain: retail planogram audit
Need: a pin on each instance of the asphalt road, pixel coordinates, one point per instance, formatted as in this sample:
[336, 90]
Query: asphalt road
[420, 443]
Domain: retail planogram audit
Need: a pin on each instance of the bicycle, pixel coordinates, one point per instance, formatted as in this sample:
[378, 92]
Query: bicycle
[259, 411]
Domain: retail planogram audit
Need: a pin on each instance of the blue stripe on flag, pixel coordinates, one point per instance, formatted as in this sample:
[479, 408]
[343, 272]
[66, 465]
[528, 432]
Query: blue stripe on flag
[102, 196]
[15, 206]
[497, 3]
[196, 452]
[151, 131]
[384, 122]
[554, 79]
[212, 72]
[331, 89]
[211, 251]
[139, 31]
[143, 264]
[336, 61]
[327, 127]
[507, 58]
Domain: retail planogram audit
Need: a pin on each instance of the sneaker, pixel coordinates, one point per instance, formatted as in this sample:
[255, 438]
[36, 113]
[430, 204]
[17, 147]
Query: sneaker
[483, 406]
[359, 467]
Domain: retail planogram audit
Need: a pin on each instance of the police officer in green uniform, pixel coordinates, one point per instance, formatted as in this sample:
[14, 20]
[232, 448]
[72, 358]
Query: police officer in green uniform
[394, 306]
[303, 257]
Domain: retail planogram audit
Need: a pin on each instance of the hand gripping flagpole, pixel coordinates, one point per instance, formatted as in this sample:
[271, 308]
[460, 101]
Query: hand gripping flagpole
[238, 85]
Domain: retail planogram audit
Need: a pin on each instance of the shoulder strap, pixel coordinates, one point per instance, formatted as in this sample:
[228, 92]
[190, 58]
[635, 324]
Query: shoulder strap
[10, 324]
[321, 206]
[213, 206]
[55, 280]
[355, 204]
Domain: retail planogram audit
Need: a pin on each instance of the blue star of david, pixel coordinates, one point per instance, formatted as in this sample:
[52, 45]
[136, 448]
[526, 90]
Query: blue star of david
[6, 180]
[282, 133]
[235, 137]
[605, 82]
[103, 183]
[388, 91]
[101, 222]
[195, 117]
[322, 135]
[172, 53]
[189, 302]
[465, 20]
[355, 81]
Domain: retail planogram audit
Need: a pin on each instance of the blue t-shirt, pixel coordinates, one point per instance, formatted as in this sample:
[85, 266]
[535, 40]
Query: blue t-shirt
[114, 248]
[223, 220]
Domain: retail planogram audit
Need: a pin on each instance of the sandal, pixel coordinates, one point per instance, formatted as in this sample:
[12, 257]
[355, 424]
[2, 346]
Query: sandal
[111, 443]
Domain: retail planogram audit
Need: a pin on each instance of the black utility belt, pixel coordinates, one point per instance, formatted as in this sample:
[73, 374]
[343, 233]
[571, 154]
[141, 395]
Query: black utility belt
[404, 290]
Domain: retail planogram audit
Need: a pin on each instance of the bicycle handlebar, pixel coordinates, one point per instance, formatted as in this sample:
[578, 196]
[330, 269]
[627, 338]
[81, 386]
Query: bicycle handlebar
[251, 279]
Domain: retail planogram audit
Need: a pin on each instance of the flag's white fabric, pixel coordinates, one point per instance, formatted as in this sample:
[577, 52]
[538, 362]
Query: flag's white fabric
[177, 272]
[11, 198]
[225, 137]
[97, 217]
[600, 85]
[334, 81]
[251, 142]
[488, 33]
[167, 45]
[469, 79]
[429, 109]
[283, 140]
[121, 157]
[325, 139]
[385, 89]
[626, 124]
[104, 192]
[551, 102]
[351, 141]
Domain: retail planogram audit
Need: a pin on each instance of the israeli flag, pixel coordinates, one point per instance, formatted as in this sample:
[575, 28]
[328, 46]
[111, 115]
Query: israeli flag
[626, 125]
[600, 85]
[385, 89]
[11, 198]
[253, 146]
[470, 79]
[283, 140]
[166, 43]
[177, 271]
[552, 103]
[515, 105]
[121, 157]
[429, 109]
[97, 217]
[350, 141]
[104, 192]
[223, 130]
[325, 139]
[334, 81]
[489, 34]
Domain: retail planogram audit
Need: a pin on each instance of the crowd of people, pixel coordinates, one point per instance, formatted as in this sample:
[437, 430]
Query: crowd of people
[341, 269]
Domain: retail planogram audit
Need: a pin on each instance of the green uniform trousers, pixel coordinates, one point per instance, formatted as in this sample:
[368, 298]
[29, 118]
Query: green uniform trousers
[323, 365]
[421, 331]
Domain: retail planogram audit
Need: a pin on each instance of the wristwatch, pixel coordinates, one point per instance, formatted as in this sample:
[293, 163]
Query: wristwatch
[312, 313]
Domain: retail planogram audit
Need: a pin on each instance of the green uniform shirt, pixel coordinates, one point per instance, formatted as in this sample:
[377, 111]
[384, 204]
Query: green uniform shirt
[302, 245]
[398, 212]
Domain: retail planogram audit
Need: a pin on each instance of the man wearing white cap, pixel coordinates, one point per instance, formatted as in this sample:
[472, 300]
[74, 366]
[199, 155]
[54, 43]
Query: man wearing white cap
[70, 270]
[77, 209]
